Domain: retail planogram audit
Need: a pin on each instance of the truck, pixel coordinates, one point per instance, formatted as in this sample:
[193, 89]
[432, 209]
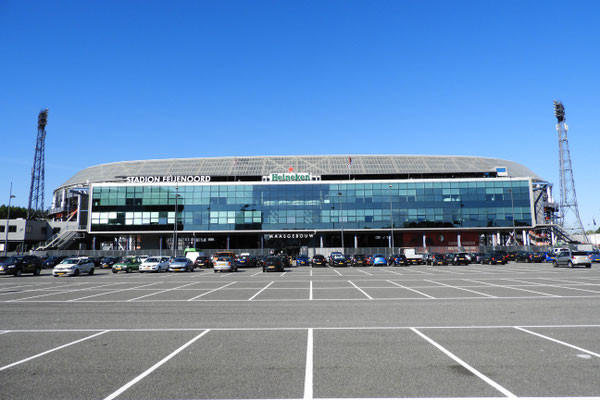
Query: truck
[413, 257]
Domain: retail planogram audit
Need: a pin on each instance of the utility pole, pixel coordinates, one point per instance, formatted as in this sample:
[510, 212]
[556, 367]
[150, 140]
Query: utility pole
[10, 197]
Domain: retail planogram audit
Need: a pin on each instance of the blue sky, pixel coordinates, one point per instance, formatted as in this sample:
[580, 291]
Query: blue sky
[130, 80]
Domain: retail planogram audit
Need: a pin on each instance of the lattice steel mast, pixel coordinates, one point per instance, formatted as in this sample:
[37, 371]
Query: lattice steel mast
[38, 173]
[569, 218]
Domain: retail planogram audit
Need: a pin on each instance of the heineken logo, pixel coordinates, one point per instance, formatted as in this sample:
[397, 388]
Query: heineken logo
[291, 177]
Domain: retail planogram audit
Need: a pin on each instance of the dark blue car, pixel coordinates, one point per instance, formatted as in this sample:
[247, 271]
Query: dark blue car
[302, 259]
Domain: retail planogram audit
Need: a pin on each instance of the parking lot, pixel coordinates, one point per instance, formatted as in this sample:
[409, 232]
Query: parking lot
[519, 330]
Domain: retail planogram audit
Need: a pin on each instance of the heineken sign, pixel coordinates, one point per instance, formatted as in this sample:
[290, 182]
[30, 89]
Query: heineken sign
[291, 177]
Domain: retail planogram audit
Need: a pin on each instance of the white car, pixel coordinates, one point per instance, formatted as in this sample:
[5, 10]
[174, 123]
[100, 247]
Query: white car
[73, 266]
[155, 264]
[225, 264]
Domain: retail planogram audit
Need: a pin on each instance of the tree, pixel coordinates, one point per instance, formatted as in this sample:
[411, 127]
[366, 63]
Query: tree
[15, 212]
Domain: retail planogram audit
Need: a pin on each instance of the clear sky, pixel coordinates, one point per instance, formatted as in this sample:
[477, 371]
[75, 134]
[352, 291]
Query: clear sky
[131, 80]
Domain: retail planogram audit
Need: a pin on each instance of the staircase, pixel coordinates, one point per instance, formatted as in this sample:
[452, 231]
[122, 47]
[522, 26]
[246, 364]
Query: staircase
[62, 240]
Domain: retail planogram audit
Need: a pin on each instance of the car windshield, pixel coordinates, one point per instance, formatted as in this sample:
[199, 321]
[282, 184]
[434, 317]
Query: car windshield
[180, 259]
[152, 259]
[70, 261]
[580, 253]
[11, 259]
[223, 259]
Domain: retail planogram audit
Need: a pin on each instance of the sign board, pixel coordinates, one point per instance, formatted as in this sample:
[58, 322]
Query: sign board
[168, 179]
[290, 177]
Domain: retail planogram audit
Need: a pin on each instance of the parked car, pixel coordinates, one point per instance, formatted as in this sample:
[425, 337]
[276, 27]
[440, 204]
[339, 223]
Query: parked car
[319, 261]
[108, 262]
[302, 259]
[460, 258]
[218, 254]
[333, 254]
[368, 259]
[52, 261]
[358, 260]
[548, 257]
[74, 266]
[572, 258]
[476, 257]
[398, 259]
[246, 260]
[155, 264]
[493, 258]
[224, 263]
[339, 260]
[594, 256]
[438, 259]
[17, 265]
[529, 256]
[203, 262]
[181, 264]
[274, 263]
[127, 264]
[379, 259]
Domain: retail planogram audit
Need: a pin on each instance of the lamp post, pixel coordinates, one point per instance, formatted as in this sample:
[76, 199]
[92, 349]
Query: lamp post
[512, 202]
[391, 224]
[175, 222]
[341, 218]
[10, 197]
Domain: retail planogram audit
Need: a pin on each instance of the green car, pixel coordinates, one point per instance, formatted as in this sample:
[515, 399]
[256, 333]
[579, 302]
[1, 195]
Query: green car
[127, 264]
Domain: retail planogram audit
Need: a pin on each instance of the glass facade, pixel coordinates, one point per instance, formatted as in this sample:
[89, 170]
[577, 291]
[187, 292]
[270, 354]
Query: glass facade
[312, 206]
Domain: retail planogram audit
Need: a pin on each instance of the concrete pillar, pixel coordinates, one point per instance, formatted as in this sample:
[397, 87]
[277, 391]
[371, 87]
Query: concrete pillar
[321, 241]
[525, 238]
[458, 239]
[227, 241]
[355, 241]
[424, 240]
[498, 238]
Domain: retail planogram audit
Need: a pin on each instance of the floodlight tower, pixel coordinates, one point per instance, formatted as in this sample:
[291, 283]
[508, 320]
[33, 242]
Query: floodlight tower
[38, 174]
[568, 215]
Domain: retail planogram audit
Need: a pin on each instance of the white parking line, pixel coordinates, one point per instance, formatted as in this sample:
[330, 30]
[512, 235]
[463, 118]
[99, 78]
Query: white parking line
[364, 272]
[56, 288]
[460, 288]
[260, 291]
[283, 273]
[154, 367]
[111, 292]
[336, 271]
[52, 350]
[559, 342]
[467, 366]
[61, 292]
[363, 292]
[414, 290]
[308, 375]
[256, 274]
[310, 297]
[162, 291]
[214, 290]
[510, 287]
[557, 286]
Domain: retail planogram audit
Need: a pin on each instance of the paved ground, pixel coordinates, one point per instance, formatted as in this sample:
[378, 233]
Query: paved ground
[520, 330]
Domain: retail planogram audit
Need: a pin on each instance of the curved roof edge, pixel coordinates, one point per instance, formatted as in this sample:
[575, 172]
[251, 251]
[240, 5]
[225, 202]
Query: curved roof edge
[316, 164]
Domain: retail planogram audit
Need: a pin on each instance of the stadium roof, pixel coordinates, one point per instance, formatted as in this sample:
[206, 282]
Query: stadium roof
[316, 165]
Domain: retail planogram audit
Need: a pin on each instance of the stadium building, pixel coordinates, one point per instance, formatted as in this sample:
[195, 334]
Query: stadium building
[304, 202]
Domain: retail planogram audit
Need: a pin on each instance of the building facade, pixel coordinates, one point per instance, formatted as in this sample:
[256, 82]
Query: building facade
[311, 201]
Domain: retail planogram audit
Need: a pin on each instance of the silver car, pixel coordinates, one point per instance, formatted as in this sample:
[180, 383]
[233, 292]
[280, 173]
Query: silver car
[225, 264]
[572, 258]
[181, 264]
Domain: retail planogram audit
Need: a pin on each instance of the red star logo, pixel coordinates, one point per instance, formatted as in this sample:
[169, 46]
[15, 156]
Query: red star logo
[291, 169]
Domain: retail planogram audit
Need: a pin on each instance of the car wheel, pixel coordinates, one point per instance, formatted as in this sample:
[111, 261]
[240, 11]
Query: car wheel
[91, 271]
[114, 272]
[555, 264]
[570, 264]
[37, 271]
[76, 273]
[18, 272]
[589, 266]
[128, 270]
[215, 271]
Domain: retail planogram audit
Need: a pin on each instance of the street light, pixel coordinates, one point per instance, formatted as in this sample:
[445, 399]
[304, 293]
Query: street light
[175, 222]
[341, 218]
[512, 201]
[391, 224]
[10, 197]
